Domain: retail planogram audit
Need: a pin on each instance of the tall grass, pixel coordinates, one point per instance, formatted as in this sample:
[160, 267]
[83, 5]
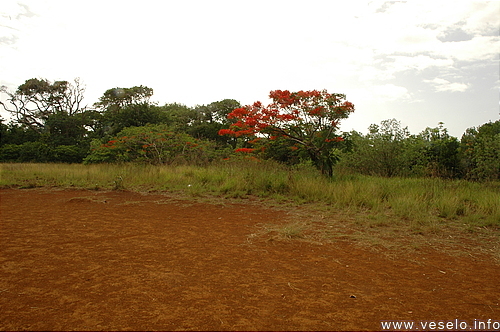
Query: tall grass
[418, 201]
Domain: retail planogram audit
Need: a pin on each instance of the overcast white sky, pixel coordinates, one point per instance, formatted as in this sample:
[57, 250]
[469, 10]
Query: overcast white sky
[420, 62]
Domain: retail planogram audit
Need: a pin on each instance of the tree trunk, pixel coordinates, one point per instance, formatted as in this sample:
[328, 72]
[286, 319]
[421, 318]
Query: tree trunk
[323, 163]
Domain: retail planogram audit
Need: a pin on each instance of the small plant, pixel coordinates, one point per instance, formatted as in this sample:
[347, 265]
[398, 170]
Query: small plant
[292, 230]
[119, 183]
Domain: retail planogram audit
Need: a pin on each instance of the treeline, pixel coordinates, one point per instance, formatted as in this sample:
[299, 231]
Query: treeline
[50, 124]
[390, 150]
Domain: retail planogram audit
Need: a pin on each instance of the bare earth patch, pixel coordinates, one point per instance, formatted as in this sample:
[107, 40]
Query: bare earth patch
[84, 260]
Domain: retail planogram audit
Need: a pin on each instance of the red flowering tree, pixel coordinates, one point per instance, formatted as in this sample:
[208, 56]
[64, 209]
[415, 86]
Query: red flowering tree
[308, 118]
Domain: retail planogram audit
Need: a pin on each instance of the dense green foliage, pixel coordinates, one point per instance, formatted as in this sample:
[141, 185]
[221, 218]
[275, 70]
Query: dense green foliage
[154, 144]
[390, 150]
[49, 124]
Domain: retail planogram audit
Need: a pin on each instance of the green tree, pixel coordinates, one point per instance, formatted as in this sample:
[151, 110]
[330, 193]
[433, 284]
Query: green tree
[135, 115]
[64, 129]
[27, 152]
[119, 108]
[441, 151]
[113, 100]
[217, 112]
[14, 133]
[209, 119]
[384, 151]
[50, 122]
[387, 146]
[480, 152]
[37, 99]
[178, 116]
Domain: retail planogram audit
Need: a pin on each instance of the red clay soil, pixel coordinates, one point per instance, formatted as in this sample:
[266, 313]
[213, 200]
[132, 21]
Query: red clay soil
[90, 260]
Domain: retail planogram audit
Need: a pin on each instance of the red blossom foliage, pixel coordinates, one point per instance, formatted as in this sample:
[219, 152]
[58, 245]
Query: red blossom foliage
[336, 139]
[289, 109]
[246, 150]
[309, 118]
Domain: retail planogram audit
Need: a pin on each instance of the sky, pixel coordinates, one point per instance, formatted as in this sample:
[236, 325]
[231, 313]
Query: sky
[420, 62]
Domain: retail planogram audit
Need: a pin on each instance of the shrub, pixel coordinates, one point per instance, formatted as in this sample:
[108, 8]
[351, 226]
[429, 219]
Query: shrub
[26, 152]
[10, 152]
[67, 154]
[154, 144]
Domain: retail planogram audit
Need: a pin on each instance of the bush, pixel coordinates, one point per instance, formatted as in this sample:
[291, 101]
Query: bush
[26, 152]
[480, 150]
[153, 144]
[38, 152]
[67, 154]
[10, 152]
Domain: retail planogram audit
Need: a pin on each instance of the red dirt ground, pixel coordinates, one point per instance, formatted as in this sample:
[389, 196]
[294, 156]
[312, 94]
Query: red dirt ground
[89, 260]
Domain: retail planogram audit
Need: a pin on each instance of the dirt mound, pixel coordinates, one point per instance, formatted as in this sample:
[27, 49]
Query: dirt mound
[82, 260]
